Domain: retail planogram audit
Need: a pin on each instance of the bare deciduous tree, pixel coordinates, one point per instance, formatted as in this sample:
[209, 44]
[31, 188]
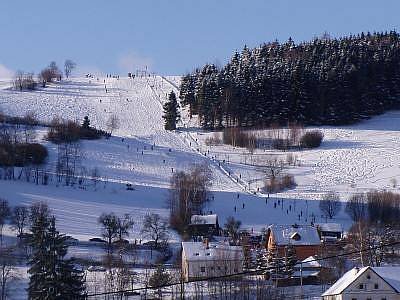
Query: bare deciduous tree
[20, 219]
[356, 207]
[189, 195]
[125, 224]
[156, 228]
[112, 123]
[69, 65]
[4, 215]
[7, 271]
[109, 223]
[330, 204]
[232, 227]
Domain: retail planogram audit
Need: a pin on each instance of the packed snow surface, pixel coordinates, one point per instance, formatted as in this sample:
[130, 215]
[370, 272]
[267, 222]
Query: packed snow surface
[351, 159]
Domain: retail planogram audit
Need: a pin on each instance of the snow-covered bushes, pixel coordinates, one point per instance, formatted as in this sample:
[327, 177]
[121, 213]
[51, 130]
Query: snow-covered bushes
[311, 139]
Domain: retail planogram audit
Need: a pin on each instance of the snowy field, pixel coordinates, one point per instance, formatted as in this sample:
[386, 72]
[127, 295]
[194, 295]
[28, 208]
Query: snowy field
[351, 159]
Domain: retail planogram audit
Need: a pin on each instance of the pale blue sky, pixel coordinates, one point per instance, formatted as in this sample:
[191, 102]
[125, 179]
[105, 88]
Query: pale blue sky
[173, 36]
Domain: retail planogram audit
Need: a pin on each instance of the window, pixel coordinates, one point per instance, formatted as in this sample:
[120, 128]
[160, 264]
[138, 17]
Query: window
[376, 286]
[197, 254]
[202, 269]
[208, 253]
[369, 299]
[353, 298]
[219, 268]
[383, 298]
[368, 276]
[361, 286]
[212, 268]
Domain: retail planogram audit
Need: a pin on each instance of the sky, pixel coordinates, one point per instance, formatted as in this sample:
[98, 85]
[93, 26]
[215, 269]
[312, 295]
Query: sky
[170, 37]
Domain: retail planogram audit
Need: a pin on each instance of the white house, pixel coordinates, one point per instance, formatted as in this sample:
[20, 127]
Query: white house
[203, 259]
[368, 283]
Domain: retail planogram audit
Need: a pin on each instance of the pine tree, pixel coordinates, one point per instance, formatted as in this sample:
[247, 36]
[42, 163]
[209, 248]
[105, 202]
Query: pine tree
[274, 262]
[171, 112]
[52, 276]
[290, 260]
[86, 123]
[262, 261]
[38, 260]
[324, 81]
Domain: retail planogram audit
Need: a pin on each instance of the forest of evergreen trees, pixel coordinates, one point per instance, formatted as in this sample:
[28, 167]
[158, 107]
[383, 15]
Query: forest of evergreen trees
[324, 81]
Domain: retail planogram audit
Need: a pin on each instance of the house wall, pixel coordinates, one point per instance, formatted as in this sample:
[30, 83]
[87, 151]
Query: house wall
[193, 269]
[302, 251]
[384, 290]
[353, 291]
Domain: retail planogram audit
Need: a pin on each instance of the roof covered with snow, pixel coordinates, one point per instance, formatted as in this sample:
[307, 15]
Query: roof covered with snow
[295, 234]
[206, 219]
[343, 282]
[330, 227]
[310, 262]
[215, 251]
[388, 274]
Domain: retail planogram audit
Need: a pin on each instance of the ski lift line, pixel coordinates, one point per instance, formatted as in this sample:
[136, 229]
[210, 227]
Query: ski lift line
[238, 181]
[255, 272]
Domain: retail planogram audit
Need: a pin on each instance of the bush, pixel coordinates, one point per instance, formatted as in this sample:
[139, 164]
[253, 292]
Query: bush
[383, 207]
[19, 155]
[214, 140]
[278, 184]
[62, 131]
[237, 137]
[312, 139]
[24, 81]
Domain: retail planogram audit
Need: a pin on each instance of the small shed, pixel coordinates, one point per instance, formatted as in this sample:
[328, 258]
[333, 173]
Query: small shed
[204, 225]
[330, 231]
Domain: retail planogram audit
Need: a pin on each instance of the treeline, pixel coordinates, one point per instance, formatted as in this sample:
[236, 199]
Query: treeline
[324, 81]
[26, 81]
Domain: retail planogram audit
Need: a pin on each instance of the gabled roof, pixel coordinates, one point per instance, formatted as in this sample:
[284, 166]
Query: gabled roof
[206, 219]
[295, 235]
[343, 282]
[216, 251]
[389, 274]
[330, 227]
[311, 262]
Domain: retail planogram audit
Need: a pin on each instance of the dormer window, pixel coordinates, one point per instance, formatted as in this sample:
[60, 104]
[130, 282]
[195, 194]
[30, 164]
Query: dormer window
[208, 254]
[196, 254]
[295, 236]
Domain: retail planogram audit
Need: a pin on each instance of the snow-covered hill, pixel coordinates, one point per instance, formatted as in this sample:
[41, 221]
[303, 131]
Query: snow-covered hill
[353, 158]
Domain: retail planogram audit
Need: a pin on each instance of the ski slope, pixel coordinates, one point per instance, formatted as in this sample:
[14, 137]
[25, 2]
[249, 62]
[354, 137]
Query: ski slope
[351, 159]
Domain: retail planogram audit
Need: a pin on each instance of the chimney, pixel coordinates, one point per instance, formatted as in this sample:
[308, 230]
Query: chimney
[205, 241]
[356, 269]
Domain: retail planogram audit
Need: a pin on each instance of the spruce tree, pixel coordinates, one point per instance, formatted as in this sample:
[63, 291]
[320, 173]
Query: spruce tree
[86, 123]
[324, 81]
[52, 276]
[171, 112]
[274, 262]
[290, 260]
